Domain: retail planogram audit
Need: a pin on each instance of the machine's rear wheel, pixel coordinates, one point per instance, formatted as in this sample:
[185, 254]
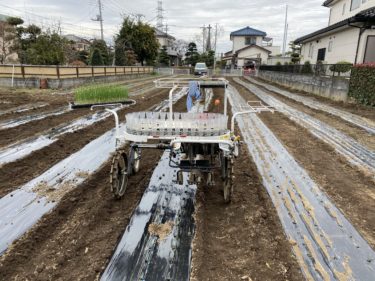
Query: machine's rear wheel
[228, 180]
[119, 175]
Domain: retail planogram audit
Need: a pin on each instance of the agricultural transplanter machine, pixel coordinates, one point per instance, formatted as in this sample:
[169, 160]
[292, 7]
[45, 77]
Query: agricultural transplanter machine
[199, 143]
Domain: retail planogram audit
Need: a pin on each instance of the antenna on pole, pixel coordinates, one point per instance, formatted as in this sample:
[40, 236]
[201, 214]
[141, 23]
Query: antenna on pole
[285, 31]
[160, 17]
[99, 18]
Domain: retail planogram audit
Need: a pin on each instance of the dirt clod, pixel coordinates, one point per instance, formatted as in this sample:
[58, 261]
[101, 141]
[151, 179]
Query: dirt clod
[161, 230]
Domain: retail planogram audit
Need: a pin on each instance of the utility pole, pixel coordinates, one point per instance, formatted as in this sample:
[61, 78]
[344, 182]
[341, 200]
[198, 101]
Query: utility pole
[215, 48]
[99, 18]
[204, 37]
[208, 48]
[285, 31]
[159, 15]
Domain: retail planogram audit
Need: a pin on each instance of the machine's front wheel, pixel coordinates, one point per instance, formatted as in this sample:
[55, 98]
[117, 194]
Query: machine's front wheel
[134, 160]
[228, 180]
[119, 175]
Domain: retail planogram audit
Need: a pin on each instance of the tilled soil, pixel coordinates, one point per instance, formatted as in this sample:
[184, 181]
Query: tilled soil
[76, 239]
[14, 174]
[361, 110]
[10, 99]
[243, 240]
[350, 190]
[12, 135]
[357, 133]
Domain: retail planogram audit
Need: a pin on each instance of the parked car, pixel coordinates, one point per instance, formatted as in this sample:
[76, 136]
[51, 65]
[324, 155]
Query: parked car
[200, 69]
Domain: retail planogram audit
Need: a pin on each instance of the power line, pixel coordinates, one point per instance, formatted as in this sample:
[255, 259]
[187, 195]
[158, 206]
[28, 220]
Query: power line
[46, 18]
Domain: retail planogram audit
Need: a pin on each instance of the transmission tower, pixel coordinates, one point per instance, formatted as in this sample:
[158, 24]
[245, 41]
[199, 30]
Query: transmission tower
[160, 16]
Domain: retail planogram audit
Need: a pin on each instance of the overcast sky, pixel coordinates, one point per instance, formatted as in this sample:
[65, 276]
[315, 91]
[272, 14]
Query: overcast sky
[184, 19]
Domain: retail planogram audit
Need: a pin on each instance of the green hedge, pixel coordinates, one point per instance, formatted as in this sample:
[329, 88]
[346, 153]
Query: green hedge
[341, 67]
[362, 84]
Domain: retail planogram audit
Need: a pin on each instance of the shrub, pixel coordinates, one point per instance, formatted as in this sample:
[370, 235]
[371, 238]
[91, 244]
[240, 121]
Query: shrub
[306, 68]
[278, 66]
[341, 67]
[362, 84]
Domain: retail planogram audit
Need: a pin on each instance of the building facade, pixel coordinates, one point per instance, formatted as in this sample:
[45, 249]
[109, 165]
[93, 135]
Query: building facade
[170, 43]
[350, 35]
[78, 44]
[249, 47]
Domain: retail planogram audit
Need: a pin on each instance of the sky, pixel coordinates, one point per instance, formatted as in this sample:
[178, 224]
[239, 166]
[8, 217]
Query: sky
[184, 18]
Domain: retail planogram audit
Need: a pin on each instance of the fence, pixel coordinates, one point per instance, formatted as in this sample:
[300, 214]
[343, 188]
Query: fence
[231, 72]
[64, 72]
[325, 70]
[173, 71]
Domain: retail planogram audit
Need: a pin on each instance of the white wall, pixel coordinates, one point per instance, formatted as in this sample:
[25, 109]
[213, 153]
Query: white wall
[275, 50]
[163, 41]
[252, 53]
[344, 46]
[275, 60]
[239, 42]
[337, 10]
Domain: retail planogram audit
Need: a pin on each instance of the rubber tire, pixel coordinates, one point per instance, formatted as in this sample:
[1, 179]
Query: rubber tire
[137, 160]
[119, 175]
[228, 182]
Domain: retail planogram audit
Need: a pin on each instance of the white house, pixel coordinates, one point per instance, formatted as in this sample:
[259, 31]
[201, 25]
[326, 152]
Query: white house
[250, 46]
[172, 47]
[350, 35]
[78, 43]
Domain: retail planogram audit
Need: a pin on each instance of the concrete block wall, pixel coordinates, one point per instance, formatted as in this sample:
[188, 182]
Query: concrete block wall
[65, 83]
[335, 88]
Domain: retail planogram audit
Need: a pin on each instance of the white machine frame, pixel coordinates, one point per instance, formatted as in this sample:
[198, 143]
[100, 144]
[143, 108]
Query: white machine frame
[215, 142]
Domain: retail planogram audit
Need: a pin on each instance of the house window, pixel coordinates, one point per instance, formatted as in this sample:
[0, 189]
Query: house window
[370, 49]
[355, 4]
[330, 46]
[250, 40]
[322, 54]
[343, 9]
